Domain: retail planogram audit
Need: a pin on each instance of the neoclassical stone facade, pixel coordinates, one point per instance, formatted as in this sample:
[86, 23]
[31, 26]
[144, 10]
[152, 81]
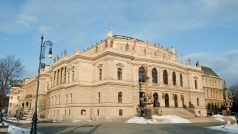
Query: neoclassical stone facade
[102, 81]
[212, 85]
[13, 100]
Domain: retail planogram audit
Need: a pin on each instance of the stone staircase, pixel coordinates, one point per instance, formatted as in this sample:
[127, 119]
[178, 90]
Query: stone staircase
[176, 111]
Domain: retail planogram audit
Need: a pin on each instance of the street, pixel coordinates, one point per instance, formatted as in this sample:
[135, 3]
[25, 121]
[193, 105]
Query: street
[124, 128]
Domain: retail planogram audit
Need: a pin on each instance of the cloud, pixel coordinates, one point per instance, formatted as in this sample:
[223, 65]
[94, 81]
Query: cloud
[45, 29]
[26, 20]
[224, 64]
[156, 17]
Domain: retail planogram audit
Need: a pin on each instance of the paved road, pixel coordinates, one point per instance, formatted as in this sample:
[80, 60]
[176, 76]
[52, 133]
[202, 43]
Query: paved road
[123, 128]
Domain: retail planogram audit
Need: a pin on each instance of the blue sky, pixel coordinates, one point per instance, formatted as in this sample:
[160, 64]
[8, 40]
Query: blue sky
[204, 30]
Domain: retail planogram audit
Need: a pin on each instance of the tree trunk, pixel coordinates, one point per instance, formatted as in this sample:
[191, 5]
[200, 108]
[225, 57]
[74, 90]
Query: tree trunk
[3, 97]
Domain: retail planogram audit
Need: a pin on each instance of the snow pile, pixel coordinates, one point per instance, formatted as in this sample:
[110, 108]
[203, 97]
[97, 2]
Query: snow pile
[226, 129]
[18, 130]
[218, 117]
[233, 117]
[158, 120]
[142, 120]
[18, 121]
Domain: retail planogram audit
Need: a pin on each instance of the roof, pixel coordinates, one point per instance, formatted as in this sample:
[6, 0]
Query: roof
[208, 71]
[126, 37]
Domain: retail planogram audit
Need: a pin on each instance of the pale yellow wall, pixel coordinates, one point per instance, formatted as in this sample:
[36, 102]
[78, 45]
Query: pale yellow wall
[85, 85]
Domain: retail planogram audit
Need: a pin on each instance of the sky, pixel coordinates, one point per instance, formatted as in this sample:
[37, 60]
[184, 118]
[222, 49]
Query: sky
[203, 30]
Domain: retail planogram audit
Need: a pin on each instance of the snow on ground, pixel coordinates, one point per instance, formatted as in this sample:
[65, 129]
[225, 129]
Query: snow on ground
[18, 121]
[158, 120]
[231, 129]
[232, 117]
[218, 117]
[18, 130]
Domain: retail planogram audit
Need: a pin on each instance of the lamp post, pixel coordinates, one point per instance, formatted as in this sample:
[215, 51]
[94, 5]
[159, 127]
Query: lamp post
[41, 58]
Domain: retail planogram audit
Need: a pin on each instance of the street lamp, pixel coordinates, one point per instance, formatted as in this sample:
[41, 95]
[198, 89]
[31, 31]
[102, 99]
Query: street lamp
[41, 58]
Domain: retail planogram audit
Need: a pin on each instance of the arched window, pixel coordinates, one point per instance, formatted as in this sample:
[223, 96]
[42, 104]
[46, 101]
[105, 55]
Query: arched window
[208, 106]
[141, 74]
[83, 112]
[127, 47]
[166, 100]
[154, 76]
[165, 77]
[155, 100]
[181, 80]
[174, 78]
[120, 97]
[182, 98]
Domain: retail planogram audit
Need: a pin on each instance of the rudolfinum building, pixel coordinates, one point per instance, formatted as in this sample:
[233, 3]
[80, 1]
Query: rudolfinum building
[102, 82]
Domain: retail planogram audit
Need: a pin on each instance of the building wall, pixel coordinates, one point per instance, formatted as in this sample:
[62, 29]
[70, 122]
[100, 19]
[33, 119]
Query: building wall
[213, 93]
[70, 87]
[13, 101]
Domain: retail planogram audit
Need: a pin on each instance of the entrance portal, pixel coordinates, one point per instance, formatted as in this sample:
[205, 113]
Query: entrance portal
[182, 98]
[156, 98]
[175, 100]
[166, 100]
[142, 99]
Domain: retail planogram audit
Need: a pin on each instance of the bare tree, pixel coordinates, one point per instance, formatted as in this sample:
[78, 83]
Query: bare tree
[10, 69]
[234, 96]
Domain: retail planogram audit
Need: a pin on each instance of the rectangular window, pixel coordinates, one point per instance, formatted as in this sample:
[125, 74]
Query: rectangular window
[69, 112]
[71, 97]
[54, 77]
[64, 74]
[68, 76]
[58, 76]
[120, 112]
[99, 97]
[59, 99]
[66, 99]
[197, 101]
[61, 76]
[119, 73]
[196, 86]
[73, 76]
[100, 74]
[98, 112]
[55, 99]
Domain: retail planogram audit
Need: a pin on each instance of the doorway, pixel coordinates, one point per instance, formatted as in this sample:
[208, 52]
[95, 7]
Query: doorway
[166, 100]
[155, 100]
[175, 100]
